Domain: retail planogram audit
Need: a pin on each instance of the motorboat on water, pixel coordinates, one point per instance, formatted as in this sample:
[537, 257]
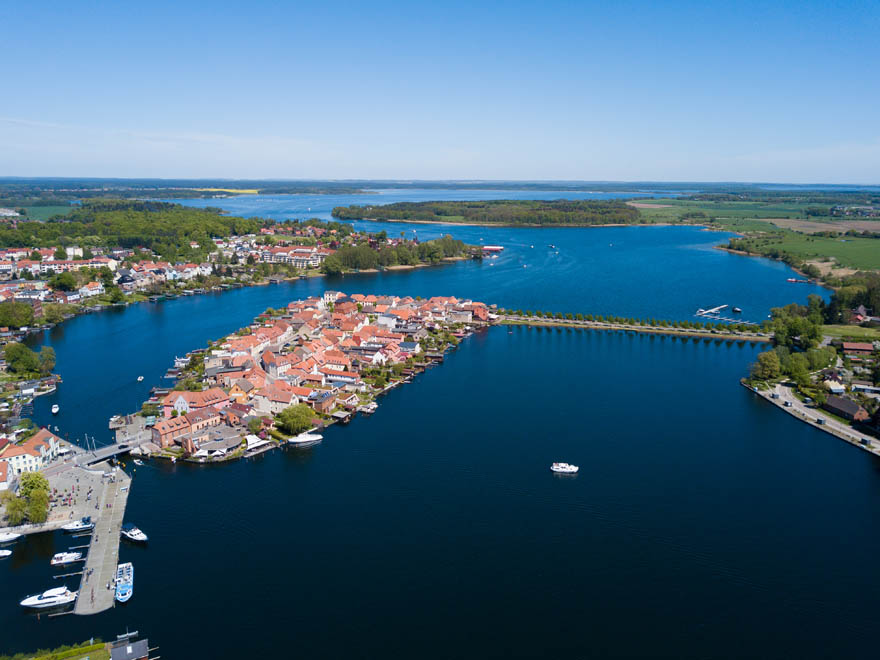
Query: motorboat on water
[133, 533]
[50, 598]
[5, 553]
[62, 558]
[83, 525]
[124, 581]
[9, 537]
[305, 439]
[737, 310]
[138, 461]
[55, 409]
[564, 468]
[140, 379]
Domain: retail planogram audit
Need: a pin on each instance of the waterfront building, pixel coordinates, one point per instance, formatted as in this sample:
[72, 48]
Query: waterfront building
[846, 408]
[32, 454]
[184, 402]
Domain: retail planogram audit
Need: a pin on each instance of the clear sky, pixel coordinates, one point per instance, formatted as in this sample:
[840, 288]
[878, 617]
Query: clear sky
[662, 91]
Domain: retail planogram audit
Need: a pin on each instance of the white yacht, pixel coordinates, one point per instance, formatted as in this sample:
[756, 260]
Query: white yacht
[55, 409]
[132, 533]
[124, 581]
[564, 468]
[83, 525]
[51, 598]
[305, 439]
[140, 379]
[5, 553]
[62, 558]
[9, 537]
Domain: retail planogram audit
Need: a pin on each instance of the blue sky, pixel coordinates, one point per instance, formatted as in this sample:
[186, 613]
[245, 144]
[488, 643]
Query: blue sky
[703, 91]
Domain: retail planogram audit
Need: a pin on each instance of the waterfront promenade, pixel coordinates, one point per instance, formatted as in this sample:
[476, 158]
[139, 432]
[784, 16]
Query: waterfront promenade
[96, 591]
[787, 401]
[734, 335]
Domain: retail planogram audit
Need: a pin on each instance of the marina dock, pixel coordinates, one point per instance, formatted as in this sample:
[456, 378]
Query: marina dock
[103, 554]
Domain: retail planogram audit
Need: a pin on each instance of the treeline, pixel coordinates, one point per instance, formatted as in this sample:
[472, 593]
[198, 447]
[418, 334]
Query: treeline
[855, 290]
[803, 196]
[165, 228]
[505, 212]
[363, 257]
[624, 320]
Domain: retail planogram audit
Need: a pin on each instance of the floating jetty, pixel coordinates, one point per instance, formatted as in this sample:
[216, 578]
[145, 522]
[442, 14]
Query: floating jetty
[103, 557]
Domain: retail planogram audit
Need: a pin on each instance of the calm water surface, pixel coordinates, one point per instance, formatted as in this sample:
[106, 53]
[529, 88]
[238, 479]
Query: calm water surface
[704, 522]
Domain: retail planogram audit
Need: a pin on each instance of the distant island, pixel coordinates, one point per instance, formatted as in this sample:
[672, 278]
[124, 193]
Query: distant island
[573, 213]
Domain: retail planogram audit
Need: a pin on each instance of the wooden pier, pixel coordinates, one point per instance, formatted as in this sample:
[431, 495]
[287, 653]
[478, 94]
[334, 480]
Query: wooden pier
[100, 568]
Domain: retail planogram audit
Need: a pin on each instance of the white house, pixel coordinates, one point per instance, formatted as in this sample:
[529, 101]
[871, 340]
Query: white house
[32, 454]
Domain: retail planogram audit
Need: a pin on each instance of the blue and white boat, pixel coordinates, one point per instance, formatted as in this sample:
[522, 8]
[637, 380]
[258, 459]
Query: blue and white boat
[132, 533]
[83, 525]
[124, 581]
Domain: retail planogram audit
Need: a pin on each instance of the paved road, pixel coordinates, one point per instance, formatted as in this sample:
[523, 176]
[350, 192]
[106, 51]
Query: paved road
[810, 415]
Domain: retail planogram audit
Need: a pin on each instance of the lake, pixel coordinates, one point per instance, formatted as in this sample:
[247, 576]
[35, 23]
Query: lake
[704, 521]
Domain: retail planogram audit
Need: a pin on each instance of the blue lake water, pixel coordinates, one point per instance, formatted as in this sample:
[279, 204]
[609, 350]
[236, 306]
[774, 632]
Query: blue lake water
[704, 522]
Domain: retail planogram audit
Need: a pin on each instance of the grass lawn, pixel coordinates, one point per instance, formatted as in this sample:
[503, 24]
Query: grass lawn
[854, 331]
[46, 212]
[860, 253]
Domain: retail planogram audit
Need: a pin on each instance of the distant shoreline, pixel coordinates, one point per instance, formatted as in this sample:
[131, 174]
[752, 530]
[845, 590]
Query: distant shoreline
[521, 224]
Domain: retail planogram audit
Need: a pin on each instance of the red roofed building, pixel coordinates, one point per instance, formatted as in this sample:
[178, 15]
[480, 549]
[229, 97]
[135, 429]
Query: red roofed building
[186, 402]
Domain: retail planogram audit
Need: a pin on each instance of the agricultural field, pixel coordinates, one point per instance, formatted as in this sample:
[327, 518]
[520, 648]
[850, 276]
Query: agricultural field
[43, 213]
[851, 332]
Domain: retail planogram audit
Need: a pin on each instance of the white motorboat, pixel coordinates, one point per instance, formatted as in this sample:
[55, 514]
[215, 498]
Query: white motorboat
[62, 558]
[51, 598]
[140, 379]
[138, 461]
[132, 533]
[55, 409]
[305, 439]
[9, 537]
[83, 525]
[5, 553]
[564, 468]
[124, 581]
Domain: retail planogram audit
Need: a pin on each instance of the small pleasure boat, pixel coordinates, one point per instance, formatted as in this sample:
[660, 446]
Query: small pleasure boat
[305, 439]
[564, 468]
[9, 537]
[83, 525]
[140, 379]
[51, 598]
[5, 553]
[55, 409]
[132, 533]
[737, 310]
[138, 461]
[124, 581]
[62, 558]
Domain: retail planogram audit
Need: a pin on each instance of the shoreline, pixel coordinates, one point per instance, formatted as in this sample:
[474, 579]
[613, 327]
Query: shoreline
[815, 280]
[854, 438]
[529, 225]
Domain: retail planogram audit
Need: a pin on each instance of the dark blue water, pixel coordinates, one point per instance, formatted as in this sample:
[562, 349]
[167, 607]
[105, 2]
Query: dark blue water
[704, 523]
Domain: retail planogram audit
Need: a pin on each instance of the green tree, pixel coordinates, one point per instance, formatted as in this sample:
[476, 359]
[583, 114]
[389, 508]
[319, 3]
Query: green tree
[768, 366]
[254, 425]
[30, 482]
[16, 510]
[60, 254]
[116, 295]
[63, 281]
[295, 419]
[332, 265]
[47, 359]
[20, 359]
[88, 254]
[36, 256]
[38, 506]
[16, 314]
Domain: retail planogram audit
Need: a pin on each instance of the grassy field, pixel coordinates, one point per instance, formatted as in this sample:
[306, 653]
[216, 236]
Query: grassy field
[859, 253]
[45, 212]
[851, 331]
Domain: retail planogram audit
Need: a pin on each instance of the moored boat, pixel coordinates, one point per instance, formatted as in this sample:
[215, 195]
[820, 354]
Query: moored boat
[9, 537]
[132, 533]
[124, 581]
[5, 553]
[83, 525]
[62, 558]
[564, 468]
[305, 439]
[55, 409]
[50, 598]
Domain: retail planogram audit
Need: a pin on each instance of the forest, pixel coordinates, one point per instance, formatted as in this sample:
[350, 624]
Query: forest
[502, 212]
[167, 229]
